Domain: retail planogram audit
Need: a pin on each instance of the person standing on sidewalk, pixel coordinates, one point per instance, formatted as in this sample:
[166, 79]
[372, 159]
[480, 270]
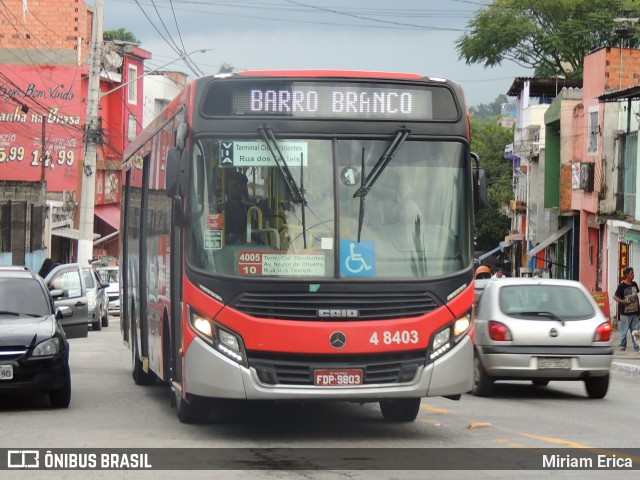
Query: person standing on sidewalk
[627, 297]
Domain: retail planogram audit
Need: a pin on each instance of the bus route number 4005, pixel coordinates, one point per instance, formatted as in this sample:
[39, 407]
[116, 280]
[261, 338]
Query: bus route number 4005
[403, 337]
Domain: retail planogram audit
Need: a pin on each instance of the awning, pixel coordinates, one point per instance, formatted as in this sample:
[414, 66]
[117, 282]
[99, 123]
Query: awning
[500, 247]
[549, 240]
[514, 237]
[110, 214]
[72, 233]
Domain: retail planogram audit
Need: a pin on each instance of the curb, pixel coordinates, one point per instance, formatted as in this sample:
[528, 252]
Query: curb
[626, 368]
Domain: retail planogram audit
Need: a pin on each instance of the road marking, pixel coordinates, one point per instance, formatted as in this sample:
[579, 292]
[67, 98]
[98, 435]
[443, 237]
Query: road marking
[438, 411]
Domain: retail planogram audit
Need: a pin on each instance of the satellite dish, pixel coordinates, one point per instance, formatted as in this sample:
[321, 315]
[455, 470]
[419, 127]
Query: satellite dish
[113, 60]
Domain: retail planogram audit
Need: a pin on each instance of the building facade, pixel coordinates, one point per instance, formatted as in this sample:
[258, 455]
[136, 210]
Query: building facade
[44, 51]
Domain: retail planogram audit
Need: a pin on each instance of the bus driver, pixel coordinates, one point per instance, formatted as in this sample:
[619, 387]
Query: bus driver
[235, 209]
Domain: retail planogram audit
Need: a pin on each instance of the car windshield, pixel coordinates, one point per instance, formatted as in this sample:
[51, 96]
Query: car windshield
[545, 302]
[246, 217]
[108, 276]
[23, 296]
[88, 279]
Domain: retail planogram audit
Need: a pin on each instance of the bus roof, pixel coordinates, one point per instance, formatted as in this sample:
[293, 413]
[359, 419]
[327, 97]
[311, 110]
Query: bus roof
[330, 74]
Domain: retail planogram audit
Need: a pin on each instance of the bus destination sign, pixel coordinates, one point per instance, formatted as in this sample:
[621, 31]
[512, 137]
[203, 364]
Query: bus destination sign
[349, 100]
[331, 101]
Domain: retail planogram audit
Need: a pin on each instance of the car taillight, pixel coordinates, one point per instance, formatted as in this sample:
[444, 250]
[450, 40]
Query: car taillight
[499, 332]
[603, 333]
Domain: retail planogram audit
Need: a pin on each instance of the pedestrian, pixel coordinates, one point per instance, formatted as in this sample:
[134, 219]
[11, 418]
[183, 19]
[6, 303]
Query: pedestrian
[628, 306]
[498, 273]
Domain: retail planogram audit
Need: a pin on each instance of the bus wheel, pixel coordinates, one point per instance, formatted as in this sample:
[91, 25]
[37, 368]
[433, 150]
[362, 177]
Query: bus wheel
[140, 377]
[191, 410]
[400, 409]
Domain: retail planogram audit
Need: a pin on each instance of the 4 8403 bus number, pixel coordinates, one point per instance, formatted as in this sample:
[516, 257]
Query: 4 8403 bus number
[399, 337]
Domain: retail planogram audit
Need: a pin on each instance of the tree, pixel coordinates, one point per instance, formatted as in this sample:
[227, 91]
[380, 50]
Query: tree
[551, 37]
[226, 68]
[488, 110]
[488, 140]
[120, 34]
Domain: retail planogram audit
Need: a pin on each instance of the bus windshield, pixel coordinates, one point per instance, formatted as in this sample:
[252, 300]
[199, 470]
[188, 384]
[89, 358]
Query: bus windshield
[289, 208]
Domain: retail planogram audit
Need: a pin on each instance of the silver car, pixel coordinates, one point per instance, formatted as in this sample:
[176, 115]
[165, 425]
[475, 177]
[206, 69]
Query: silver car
[540, 330]
[79, 287]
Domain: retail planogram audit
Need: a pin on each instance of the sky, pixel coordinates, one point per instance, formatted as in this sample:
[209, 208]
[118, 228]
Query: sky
[412, 36]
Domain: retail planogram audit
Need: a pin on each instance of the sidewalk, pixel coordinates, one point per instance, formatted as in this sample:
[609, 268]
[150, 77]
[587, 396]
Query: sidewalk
[627, 362]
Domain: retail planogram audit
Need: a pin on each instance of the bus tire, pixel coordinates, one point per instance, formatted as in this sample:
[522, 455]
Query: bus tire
[192, 409]
[400, 409]
[140, 377]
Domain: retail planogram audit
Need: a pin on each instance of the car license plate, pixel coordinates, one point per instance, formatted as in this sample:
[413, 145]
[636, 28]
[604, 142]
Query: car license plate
[337, 378]
[6, 372]
[561, 363]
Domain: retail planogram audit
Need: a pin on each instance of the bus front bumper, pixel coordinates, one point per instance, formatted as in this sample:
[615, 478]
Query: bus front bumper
[210, 374]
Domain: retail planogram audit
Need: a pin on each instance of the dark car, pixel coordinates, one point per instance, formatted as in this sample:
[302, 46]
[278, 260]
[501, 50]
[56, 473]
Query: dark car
[34, 352]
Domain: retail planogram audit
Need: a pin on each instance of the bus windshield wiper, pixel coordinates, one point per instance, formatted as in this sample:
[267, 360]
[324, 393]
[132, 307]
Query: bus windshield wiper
[267, 135]
[382, 163]
[366, 182]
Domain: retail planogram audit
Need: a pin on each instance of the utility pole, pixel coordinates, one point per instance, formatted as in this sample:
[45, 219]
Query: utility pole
[93, 138]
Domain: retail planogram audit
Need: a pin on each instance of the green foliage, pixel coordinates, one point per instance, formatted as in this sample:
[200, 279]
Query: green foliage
[488, 140]
[489, 110]
[551, 37]
[120, 34]
[226, 68]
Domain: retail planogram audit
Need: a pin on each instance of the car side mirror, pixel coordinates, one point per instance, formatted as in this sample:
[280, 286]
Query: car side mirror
[63, 311]
[480, 199]
[56, 293]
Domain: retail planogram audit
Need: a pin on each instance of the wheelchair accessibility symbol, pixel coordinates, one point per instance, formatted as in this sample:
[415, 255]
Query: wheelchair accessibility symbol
[357, 259]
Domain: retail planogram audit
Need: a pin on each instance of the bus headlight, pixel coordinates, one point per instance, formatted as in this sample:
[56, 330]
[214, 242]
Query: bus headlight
[445, 339]
[222, 339]
[203, 326]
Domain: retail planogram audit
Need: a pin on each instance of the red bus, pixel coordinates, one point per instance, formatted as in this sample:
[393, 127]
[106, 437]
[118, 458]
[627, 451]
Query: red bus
[302, 235]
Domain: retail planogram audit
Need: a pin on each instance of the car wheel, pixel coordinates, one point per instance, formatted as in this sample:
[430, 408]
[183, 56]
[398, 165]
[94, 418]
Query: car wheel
[597, 387]
[482, 383]
[105, 319]
[61, 397]
[97, 325]
[400, 409]
[191, 410]
[540, 382]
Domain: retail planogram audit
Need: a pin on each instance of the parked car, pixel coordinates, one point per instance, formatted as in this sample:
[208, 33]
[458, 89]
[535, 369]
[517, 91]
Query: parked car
[540, 330]
[82, 291]
[110, 275]
[34, 352]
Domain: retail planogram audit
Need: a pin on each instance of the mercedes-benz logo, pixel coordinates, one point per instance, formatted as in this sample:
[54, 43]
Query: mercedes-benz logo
[553, 333]
[338, 339]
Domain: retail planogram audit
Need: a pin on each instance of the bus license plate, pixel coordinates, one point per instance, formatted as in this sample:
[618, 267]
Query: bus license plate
[6, 372]
[337, 378]
[561, 363]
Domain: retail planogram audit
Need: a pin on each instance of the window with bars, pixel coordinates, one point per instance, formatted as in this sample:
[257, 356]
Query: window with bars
[36, 237]
[594, 129]
[5, 227]
[132, 76]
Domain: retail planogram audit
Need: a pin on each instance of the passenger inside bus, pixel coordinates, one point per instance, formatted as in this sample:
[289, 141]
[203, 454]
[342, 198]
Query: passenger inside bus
[235, 208]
